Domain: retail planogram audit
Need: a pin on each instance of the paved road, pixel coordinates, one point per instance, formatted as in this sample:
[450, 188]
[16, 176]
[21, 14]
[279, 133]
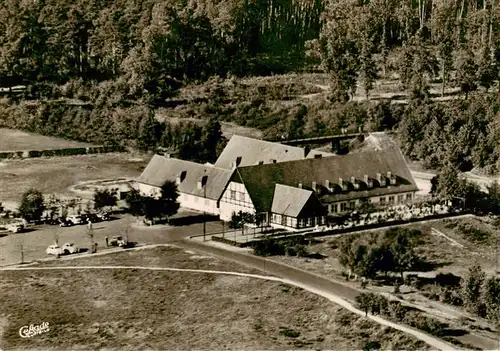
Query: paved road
[423, 179]
[273, 268]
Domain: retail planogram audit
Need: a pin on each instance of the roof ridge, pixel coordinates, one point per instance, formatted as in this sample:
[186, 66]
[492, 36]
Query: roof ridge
[192, 163]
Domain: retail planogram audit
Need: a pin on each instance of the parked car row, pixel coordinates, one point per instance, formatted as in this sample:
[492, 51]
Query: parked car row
[66, 249]
[83, 219]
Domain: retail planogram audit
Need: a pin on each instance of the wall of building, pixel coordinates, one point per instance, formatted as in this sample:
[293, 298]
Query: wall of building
[185, 200]
[198, 203]
[397, 199]
[148, 190]
[235, 199]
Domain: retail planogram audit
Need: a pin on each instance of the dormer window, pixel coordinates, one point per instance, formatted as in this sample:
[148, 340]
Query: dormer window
[368, 181]
[180, 178]
[381, 179]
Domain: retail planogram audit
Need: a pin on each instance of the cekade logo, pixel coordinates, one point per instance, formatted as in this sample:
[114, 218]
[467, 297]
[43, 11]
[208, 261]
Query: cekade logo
[33, 330]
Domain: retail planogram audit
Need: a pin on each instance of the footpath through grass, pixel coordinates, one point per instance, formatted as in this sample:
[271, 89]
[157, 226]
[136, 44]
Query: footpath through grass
[130, 309]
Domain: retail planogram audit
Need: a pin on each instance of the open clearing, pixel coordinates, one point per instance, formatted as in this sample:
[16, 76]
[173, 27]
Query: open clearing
[55, 175]
[131, 309]
[16, 140]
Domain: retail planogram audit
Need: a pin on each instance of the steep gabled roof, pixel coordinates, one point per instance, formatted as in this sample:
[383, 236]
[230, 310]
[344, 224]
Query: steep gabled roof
[293, 202]
[161, 169]
[252, 151]
[260, 180]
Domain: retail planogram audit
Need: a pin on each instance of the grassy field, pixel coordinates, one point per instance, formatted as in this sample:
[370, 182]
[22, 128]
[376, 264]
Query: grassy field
[13, 140]
[54, 175]
[131, 309]
[478, 239]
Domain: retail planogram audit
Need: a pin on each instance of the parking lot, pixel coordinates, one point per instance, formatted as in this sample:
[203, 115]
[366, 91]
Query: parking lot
[31, 245]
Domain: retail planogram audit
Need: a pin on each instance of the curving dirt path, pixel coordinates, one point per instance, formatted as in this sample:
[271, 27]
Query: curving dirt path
[430, 340]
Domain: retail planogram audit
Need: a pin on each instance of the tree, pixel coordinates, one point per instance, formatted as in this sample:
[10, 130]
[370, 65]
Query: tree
[212, 137]
[105, 197]
[466, 72]
[168, 199]
[238, 220]
[365, 301]
[134, 202]
[32, 205]
[401, 244]
[471, 286]
[491, 297]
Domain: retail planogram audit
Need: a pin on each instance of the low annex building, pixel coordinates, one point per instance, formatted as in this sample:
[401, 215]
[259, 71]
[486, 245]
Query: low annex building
[288, 193]
[200, 186]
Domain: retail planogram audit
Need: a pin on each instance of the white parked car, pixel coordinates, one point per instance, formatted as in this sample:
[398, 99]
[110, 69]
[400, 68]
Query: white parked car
[75, 219]
[16, 227]
[54, 250]
[69, 248]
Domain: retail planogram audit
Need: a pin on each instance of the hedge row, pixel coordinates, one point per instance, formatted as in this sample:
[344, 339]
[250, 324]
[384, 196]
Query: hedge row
[229, 242]
[60, 152]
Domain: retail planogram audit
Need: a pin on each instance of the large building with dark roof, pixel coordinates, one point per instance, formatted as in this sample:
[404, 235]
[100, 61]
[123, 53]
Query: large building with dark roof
[339, 183]
[291, 189]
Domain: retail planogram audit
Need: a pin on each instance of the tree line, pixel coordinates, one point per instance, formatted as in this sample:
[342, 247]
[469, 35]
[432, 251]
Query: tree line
[456, 41]
[152, 43]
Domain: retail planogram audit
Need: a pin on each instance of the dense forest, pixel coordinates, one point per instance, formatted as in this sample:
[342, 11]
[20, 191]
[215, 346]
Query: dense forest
[99, 71]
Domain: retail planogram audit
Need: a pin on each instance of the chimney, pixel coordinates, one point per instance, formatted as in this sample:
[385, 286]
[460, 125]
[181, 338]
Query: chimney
[368, 181]
[300, 185]
[314, 186]
[238, 161]
[381, 179]
[202, 182]
[389, 174]
[272, 160]
[166, 155]
[327, 184]
[261, 163]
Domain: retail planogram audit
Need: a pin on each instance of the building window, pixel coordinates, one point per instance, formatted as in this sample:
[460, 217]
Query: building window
[309, 222]
[401, 199]
[408, 197]
[391, 199]
[283, 220]
[232, 194]
[343, 207]
[382, 200]
[335, 208]
[242, 197]
[352, 204]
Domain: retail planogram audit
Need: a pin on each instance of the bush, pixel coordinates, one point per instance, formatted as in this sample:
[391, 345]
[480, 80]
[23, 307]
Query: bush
[372, 345]
[427, 324]
[396, 310]
[290, 333]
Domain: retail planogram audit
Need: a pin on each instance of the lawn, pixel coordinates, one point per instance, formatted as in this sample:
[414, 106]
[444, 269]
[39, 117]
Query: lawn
[14, 140]
[166, 310]
[56, 174]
